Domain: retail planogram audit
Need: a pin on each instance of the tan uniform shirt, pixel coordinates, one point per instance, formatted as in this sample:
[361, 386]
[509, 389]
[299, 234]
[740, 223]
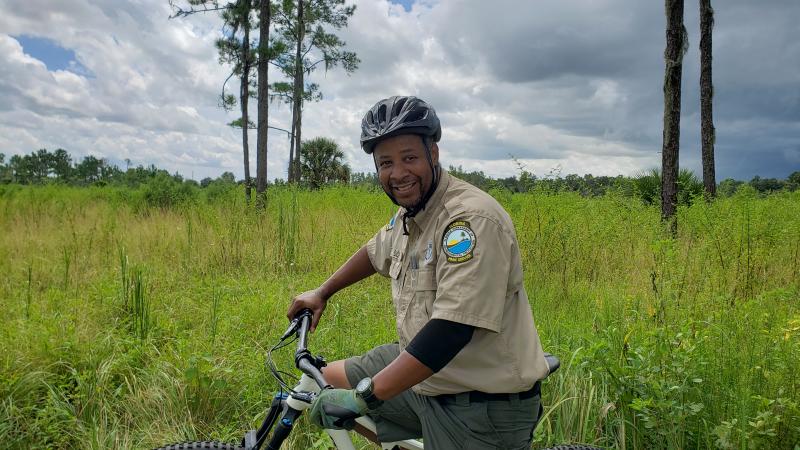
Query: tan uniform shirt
[461, 262]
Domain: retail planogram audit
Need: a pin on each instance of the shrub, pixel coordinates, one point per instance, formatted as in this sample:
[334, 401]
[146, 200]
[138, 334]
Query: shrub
[163, 191]
[220, 190]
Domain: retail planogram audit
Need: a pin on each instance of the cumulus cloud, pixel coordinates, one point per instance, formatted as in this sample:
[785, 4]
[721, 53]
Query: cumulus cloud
[149, 92]
[573, 85]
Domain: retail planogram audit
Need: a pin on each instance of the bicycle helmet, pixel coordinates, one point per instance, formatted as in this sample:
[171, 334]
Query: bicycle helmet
[398, 115]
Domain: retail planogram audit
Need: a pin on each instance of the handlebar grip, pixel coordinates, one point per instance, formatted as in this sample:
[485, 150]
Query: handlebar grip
[300, 323]
[345, 418]
[302, 312]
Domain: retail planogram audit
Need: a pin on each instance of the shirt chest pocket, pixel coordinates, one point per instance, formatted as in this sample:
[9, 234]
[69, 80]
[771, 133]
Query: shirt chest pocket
[425, 280]
[424, 292]
[395, 270]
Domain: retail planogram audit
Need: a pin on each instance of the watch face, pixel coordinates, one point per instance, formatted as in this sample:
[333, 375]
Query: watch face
[364, 385]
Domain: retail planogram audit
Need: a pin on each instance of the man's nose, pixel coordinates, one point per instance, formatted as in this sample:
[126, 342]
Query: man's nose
[399, 171]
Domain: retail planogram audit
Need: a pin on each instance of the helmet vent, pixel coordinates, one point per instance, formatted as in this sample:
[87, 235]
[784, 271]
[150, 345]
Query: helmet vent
[381, 114]
[398, 106]
[416, 115]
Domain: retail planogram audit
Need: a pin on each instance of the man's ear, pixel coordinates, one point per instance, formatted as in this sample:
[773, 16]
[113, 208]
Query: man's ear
[435, 153]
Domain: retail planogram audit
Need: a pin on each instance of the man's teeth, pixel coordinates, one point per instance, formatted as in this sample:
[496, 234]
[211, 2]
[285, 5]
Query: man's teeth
[403, 187]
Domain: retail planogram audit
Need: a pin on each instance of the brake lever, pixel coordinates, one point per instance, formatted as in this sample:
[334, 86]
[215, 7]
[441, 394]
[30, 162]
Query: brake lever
[295, 323]
[305, 397]
[292, 328]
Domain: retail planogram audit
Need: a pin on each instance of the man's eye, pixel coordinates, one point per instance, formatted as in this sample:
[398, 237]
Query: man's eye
[385, 163]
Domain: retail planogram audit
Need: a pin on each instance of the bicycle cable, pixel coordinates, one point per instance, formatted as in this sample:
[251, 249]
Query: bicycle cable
[279, 374]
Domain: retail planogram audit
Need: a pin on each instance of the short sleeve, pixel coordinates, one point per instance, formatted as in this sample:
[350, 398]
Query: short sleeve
[472, 272]
[379, 250]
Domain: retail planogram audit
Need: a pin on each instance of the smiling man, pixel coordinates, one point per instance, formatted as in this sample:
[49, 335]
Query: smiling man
[403, 169]
[466, 368]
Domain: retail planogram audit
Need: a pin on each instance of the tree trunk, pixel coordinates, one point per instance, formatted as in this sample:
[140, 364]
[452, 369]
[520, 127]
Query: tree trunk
[291, 147]
[297, 109]
[244, 92]
[673, 56]
[298, 130]
[263, 101]
[706, 98]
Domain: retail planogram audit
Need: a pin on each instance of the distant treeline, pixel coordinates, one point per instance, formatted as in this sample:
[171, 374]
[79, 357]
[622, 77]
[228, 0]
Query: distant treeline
[43, 167]
[646, 185]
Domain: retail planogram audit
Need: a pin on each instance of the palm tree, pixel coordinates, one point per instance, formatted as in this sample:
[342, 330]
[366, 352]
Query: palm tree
[321, 163]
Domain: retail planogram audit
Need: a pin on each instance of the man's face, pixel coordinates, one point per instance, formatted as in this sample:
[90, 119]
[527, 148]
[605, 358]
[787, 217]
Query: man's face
[403, 168]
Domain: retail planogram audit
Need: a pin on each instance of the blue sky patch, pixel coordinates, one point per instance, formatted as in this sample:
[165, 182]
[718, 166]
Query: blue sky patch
[405, 3]
[51, 54]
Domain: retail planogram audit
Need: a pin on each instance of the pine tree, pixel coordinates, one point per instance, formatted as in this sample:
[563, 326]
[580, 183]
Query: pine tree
[673, 56]
[706, 98]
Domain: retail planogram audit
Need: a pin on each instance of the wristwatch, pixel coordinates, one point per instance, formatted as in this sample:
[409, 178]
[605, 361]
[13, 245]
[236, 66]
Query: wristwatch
[365, 389]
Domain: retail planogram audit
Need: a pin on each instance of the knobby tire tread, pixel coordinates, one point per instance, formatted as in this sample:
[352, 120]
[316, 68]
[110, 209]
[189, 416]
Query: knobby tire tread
[573, 447]
[214, 445]
[201, 445]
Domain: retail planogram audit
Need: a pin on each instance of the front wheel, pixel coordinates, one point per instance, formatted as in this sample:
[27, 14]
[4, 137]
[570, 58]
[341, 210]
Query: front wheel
[208, 445]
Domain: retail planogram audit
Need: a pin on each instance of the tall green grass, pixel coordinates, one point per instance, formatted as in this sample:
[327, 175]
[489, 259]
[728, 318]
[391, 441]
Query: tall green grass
[129, 324]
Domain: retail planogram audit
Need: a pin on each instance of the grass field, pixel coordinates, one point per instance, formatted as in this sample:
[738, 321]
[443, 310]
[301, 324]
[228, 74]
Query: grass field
[128, 326]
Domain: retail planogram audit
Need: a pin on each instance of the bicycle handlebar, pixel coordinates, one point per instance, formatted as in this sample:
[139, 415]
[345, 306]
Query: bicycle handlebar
[303, 328]
[303, 359]
[309, 365]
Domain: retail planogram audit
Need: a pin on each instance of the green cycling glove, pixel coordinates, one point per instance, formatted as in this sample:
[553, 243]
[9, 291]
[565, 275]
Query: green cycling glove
[337, 409]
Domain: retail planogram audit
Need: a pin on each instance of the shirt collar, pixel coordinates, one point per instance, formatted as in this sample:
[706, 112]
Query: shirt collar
[434, 203]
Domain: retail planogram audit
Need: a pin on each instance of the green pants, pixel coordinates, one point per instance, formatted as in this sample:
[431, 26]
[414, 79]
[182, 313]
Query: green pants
[447, 422]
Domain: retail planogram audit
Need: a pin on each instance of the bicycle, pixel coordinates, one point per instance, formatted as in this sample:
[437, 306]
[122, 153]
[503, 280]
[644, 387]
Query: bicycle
[291, 403]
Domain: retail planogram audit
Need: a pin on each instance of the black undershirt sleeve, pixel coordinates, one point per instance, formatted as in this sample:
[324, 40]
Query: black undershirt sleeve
[438, 342]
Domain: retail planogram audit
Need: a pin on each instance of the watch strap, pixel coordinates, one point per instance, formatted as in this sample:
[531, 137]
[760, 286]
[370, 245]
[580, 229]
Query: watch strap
[367, 393]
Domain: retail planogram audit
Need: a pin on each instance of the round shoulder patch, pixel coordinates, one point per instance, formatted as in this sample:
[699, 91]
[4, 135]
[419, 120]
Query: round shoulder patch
[458, 241]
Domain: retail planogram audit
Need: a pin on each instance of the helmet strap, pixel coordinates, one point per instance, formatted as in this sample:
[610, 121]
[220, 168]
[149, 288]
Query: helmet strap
[414, 210]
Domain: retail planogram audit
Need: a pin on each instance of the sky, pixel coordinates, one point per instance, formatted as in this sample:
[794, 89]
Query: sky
[558, 86]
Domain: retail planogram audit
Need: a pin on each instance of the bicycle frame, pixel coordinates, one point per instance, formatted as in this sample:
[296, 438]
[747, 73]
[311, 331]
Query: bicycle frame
[291, 406]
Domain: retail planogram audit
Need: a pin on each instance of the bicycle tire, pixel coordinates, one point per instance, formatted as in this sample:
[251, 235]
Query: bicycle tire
[573, 447]
[202, 445]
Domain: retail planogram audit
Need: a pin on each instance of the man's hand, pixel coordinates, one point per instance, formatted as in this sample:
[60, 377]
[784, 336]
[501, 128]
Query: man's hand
[337, 409]
[355, 269]
[313, 300]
